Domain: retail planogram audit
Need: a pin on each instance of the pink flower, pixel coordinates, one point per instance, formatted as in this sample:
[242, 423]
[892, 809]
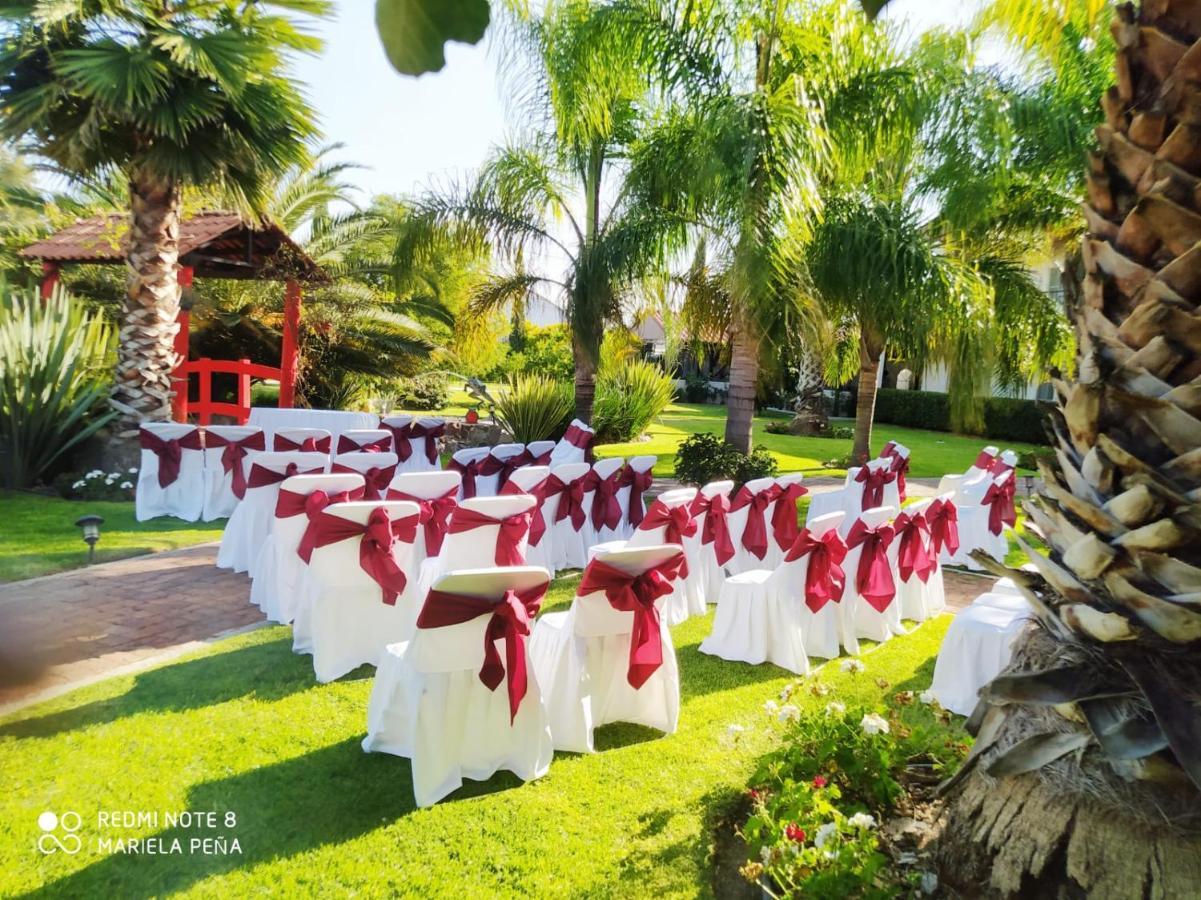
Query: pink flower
[795, 832]
[820, 782]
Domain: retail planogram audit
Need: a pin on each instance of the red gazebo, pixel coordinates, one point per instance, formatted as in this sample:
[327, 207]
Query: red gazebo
[211, 245]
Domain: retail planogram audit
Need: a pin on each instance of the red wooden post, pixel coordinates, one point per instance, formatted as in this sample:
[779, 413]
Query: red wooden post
[179, 379]
[289, 353]
[243, 392]
[204, 367]
[49, 279]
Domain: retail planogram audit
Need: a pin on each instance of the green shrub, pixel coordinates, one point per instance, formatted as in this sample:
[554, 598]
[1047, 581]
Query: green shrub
[628, 399]
[544, 351]
[1008, 419]
[423, 392]
[1005, 418]
[696, 389]
[704, 457]
[534, 407]
[97, 485]
[54, 379]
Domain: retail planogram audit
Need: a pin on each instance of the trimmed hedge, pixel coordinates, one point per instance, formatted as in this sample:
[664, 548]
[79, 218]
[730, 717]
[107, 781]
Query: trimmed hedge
[1005, 418]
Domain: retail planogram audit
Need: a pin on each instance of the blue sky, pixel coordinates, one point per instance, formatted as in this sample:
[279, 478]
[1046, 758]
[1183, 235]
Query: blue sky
[409, 131]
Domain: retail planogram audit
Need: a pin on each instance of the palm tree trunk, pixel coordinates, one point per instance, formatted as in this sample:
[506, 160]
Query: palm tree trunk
[744, 380]
[145, 349]
[810, 408]
[1115, 814]
[585, 382]
[870, 348]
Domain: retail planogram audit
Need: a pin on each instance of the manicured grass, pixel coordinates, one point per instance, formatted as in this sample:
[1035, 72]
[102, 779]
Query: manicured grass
[39, 536]
[243, 728]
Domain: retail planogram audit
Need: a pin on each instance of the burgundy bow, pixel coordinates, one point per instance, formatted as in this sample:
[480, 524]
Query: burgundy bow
[581, 439]
[999, 467]
[873, 578]
[984, 460]
[537, 491]
[824, 578]
[508, 540]
[888, 450]
[377, 539]
[873, 481]
[606, 511]
[308, 445]
[543, 458]
[233, 454]
[999, 500]
[290, 504]
[677, 522]
[377, 479]
[261, 476]
[716, 528]
[638, 483]
[637, 594]
[502, 468]
[784, 514]
[913, 555]
[434, 516]
[169, 452]
[900, 468]
[754, 533]
[943, 519]
[401, 445]
[511, 617]
[431, 434]
[571, 499]
[347, 444]
[467, 471]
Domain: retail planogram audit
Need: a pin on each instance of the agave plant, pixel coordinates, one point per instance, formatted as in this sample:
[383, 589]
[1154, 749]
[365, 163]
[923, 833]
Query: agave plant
[54, 380]
[534, 407]
[628, 398]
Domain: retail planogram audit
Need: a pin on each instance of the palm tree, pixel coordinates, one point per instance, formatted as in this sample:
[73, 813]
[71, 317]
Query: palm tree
[170, 93]
[1085, 777]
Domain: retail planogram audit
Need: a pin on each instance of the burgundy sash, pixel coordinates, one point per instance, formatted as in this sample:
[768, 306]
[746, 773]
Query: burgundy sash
[350, 445]
[873, 481]
[900, 468]
[999, 500]
[401, 445]
[260, 476]
[606, 511]
[502, 468]
[873, 578]
[677, 522]
[912, 553]
[754, 533]
[467, 472]
[984, 461]
[538, 523]
[169, 452]
[824, 578]
[638, 483]
[716, 528]
[943, 519]
[378, 537]
[571, 499]
[784, 514]
[888, 450]
[508, 539]
[377, 478]
[233, 454]
[636, 594]
[290, 504]
[999, 467]
[542, 459]
[430, 433]
[581, 439]
[511, 618]
[308, 445]
[434, 516]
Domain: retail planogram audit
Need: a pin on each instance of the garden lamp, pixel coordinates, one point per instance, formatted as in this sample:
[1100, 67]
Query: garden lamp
[1029, 479]
[91, 532]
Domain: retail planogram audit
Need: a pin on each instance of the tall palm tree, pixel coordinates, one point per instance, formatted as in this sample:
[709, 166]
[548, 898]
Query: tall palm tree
[171, 93]
[1085, 777]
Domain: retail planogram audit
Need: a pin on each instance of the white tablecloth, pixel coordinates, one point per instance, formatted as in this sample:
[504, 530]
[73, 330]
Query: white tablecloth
[335, 421]
[977, 646]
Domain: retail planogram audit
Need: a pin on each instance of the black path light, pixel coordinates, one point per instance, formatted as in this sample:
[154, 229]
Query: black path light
[91, 532]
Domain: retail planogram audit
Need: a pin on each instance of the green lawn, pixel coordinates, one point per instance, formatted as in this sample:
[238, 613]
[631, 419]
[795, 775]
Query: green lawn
[243, 728]
[39, 534]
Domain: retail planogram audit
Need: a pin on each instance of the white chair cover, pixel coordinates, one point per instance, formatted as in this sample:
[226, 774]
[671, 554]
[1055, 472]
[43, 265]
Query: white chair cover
[274, 420]
[428, 702]
[466, 457]
[859, 618]
[974, 532]
[358, 439]
[686, 598]
[183, 498]
[951, 482]
[566, 452]
[219, 497]
[286, 439]
[920, 600]
[609, 471]
[744, 560]
[639, 464]
[475, 548]
[524, 480]
[539, 449]
[582, 659]
[570, 551]
[710, 574]
[775, 553]
[275, 586]
[489, 485]
[379, 470]
[840, 499]
[419, 461]
[424, 486]
[251, 522]
[976, 649]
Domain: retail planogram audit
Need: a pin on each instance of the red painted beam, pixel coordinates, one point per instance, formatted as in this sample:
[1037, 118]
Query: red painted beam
[50, 273]
[289, 357]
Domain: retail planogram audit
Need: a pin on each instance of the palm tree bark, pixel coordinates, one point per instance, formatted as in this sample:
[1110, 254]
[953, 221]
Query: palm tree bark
[1115, 815]
[145, 350]
[871, 346]
[585, 381]
[810, 409]
[744, 380]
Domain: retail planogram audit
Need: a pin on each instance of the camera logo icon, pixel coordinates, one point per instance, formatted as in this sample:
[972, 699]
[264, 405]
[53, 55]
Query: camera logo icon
[58, 833]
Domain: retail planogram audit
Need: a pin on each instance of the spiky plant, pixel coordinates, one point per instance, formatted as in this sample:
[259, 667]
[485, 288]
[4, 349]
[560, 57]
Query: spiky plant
[1085, 778]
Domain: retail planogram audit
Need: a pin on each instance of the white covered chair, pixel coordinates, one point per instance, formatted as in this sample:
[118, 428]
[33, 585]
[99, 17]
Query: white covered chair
[750, 526]
[782, 521]
[425, 437]
[985, 507]
[171, 474]
[467, 462]
[378, 468]
[781, 615]
[567, 488]
[357, 590]
[602, 499]
[531, 480]
[984, 461]
[977, 647]
[840, 499]
[575, 446]
[277, 574]
[435, 493]
[899, 454]
[636, 479]
[402, 444]
[483, 531]
[713, 544]
[920, 588]
[610, 658]
[496, 468]
[462, 699]
[308, 440]
[869, 606]
[670, 520]
[251, 522]
[1007, 461]
[539, 452]
[228, 451]
[365, 440]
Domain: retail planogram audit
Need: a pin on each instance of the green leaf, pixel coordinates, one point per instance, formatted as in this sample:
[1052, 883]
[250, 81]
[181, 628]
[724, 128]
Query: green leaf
[414, 32]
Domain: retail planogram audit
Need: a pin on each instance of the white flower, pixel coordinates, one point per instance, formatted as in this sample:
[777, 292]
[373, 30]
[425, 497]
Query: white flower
[874, 723]
[835, 708]
[789, 713]
[824, 834]
[862, 820]
[133, 470]
[95, 473]
[109, 479]
[126, 485]
[851, 665]
[929, 882]
[765, 856]
[771, 707]
[785, 692]
[77, 485]
[114, 474]
[733, 730]
[927, 697]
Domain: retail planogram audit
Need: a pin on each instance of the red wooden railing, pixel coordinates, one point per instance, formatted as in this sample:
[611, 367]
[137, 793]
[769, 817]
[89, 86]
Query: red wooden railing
[204, 409]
